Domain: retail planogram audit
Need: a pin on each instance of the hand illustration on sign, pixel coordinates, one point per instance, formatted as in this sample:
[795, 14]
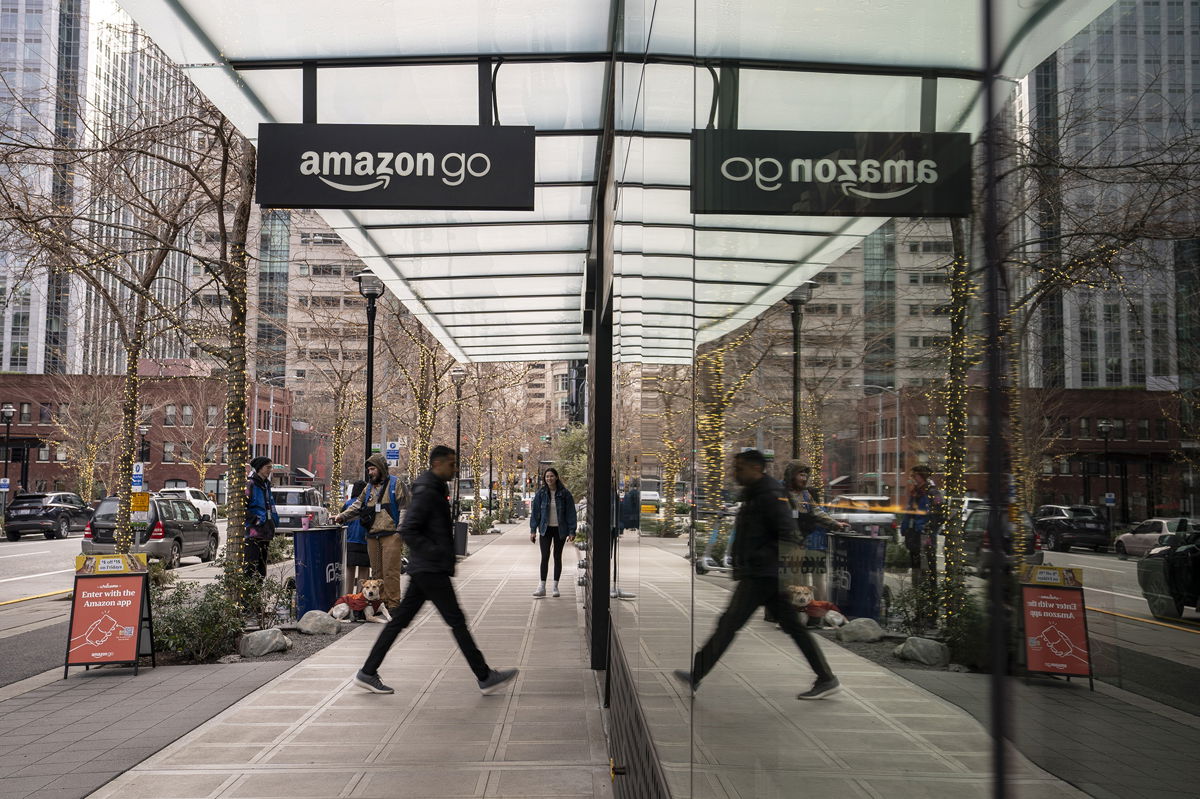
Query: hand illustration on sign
[97, 633]
[1061, 645]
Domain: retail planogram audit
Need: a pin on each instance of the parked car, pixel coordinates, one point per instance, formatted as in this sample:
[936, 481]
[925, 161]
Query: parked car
[1169, 575]
[207, 508]
[173, 530]
[53, 515]
[1144, 537]
[1066, 526]
[294, 504]
[977, 540]
[860, 512]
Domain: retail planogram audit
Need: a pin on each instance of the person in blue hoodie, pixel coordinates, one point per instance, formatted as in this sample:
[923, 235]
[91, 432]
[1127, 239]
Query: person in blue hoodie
[552, 520]
[358, 560]
[261, 518]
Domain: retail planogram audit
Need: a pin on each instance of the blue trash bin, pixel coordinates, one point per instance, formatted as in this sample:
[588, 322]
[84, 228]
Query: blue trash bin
[856, 576]
[318, 568]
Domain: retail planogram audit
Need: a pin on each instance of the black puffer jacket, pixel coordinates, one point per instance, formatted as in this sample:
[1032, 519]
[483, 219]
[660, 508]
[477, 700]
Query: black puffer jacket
[426, 528]
[763, 520]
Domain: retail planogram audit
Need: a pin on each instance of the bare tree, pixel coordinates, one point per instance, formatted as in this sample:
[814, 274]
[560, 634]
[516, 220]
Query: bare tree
[86, 426]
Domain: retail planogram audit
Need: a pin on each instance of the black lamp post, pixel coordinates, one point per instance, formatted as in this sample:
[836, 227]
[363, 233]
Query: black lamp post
[371, 287]
[491, 414]
[458, 375]
[1105, 426]
[143, 455]
[799, 296]
[6, 413]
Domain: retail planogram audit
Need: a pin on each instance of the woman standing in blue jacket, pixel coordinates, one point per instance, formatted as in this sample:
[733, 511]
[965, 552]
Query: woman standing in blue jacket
[552, 519]
[261, 518]
[358, 561]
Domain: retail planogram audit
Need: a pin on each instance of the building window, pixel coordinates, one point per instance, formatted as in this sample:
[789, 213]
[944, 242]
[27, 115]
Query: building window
[211, 420]
[1160, 429]
[169, 414]
[1118, 431]
[45, 412]
[168, 452]
[43, 455]
[60, 454]
[922, 425]
[1085, 427]
[26, 414]
[1143, 433]
[562, 383]
[188, 416]
[319, 238]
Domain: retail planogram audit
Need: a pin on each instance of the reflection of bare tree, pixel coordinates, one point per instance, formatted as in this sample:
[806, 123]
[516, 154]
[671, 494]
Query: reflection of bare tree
[87, 427]
[202, 442]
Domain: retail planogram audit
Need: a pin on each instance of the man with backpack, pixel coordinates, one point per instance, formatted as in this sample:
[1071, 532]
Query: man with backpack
[379, 508]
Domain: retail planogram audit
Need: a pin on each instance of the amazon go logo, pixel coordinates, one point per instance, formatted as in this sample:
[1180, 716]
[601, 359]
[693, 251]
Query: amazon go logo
[364, 171]
[868, 178]
[442, 167]
[830, 173]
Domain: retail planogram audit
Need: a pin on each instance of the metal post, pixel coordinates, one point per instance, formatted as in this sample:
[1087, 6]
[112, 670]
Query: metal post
[1107, 485]
[370, 377]
[898, 467]
[7, 459]
[271, 422]
[491, 452]
[796, 380]
[879, 444]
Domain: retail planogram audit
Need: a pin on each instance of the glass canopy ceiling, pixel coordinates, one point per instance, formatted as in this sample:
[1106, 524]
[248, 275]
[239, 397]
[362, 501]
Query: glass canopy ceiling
[508, 285]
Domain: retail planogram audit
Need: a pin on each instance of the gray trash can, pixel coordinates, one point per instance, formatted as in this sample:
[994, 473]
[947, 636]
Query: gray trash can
[319, 567]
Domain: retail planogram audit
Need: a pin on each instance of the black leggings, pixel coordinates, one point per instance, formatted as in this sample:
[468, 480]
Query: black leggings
[544, 541]
[254, 557]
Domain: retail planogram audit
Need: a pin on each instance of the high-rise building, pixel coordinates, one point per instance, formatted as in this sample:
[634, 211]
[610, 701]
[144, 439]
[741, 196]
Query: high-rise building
[43, 58]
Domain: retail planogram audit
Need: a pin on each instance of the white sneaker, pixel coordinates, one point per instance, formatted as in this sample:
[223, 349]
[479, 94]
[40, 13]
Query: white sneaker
[540, 592]
[554, 592]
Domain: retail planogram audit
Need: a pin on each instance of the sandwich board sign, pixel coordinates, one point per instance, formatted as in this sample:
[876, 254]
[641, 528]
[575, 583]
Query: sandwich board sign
[110, 612]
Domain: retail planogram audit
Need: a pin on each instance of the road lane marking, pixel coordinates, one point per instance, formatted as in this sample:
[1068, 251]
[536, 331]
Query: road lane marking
[31, 576]
[24, 554]
[1114, 593]
[1097, 568]
[1146, 621]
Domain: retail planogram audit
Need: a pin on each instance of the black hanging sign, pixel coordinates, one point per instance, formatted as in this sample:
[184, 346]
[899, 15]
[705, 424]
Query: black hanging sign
[464, 167]
[830, 173]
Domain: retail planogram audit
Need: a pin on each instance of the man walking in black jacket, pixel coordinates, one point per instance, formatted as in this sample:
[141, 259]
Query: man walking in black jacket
[429, 538]
[763, 520]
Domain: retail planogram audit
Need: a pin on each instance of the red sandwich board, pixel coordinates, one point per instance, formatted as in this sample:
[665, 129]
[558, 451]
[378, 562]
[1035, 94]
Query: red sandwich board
[110, 621]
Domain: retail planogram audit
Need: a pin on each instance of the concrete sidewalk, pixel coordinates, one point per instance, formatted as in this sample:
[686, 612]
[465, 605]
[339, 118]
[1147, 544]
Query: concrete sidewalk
[312, 733]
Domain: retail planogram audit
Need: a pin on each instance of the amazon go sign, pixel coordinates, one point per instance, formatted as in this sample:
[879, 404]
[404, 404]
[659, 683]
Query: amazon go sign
[829, 173]
[395, 167]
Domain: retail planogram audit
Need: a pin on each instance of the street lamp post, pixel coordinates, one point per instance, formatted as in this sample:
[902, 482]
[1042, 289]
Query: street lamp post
[458, 374]
[371, 287]
[6, 412]
[879, 436]
[1105, 426]
[491, 414]
[797, 298]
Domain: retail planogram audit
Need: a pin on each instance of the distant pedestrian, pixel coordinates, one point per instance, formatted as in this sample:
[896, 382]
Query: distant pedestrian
[552, 523]
[261, 518]
[921, 525]
[809, 516]
[380, 508]
[764, 520]
[429, 536]
[358, 560]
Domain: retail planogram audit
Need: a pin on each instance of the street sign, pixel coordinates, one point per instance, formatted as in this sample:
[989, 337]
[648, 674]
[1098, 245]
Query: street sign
[139, 471]
[3, 483]
[392, 453]
[139, 502]
[1110, 499]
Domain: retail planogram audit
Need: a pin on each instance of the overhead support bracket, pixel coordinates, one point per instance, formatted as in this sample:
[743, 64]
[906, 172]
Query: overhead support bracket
[308, 101]
[929, 104]
[486, 93]
[727, 96]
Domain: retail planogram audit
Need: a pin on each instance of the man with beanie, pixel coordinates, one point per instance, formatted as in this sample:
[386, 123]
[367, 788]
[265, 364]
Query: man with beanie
[427, 532]
[379, 507]
[261, 518]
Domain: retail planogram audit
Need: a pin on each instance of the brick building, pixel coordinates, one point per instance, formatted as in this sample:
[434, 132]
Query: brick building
[183, 418]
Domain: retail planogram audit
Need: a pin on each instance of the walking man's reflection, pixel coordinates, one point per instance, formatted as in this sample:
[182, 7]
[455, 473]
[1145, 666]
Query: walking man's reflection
[763, 520]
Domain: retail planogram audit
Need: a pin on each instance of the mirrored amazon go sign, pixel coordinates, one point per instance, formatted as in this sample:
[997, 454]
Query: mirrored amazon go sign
[830, 173]
[395, 167]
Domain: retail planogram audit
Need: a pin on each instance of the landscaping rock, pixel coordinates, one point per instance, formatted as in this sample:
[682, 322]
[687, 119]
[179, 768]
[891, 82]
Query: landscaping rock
[960, 668]
[318, 622]
[230, 659]
[261, 642]
[924, 650]
[864, 630]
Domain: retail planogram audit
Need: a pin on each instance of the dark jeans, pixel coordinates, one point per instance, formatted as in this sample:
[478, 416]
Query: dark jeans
[254, 557]
[438, 589]
[750, 594]
[551, 539]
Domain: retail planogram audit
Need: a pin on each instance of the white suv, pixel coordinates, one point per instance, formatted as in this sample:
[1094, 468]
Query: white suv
[207, 508]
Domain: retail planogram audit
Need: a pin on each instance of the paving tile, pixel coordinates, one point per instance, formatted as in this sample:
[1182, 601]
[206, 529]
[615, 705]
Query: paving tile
[314, 784]
[549, 781]
[177, 786]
